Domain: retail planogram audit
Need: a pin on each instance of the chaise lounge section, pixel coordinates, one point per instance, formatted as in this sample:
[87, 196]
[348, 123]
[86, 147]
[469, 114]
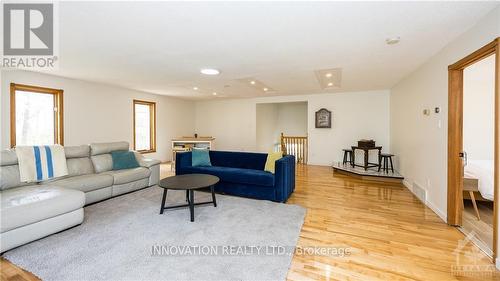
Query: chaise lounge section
[35, 210]
[242, 174]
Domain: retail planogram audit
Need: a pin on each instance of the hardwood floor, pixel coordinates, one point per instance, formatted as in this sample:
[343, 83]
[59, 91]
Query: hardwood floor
[390, 234]
[483, 227]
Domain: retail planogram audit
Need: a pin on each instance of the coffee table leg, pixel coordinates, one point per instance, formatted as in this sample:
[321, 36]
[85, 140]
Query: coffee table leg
[213, 195]
[191, 204]
[163, 200]
[187, 195]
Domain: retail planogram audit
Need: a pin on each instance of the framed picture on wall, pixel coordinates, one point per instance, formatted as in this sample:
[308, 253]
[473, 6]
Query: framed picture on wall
[323, 118]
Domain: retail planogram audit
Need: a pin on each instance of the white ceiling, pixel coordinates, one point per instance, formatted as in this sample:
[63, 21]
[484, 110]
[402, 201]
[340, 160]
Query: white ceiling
[159, 47]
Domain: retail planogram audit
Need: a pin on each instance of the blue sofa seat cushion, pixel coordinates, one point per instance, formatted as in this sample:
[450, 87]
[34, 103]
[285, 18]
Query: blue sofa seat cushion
[236, 175]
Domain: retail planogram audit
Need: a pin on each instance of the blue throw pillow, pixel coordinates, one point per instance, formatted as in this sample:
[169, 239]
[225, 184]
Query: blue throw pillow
[124, 160]
[200, 157]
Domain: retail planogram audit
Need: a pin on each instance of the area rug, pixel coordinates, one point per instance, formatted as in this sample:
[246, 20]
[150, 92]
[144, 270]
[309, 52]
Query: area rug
[125, 238]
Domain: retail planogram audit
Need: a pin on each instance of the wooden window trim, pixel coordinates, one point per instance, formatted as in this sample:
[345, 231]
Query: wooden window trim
[58, 114]
[152, 124]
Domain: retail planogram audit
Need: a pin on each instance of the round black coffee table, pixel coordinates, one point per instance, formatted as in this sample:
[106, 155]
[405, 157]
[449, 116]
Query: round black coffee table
[189, 183]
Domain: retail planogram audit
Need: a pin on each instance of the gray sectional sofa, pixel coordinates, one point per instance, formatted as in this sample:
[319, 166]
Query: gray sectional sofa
[32, 211]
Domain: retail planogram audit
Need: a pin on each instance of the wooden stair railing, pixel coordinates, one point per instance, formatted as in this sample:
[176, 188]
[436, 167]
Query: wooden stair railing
[295, 145]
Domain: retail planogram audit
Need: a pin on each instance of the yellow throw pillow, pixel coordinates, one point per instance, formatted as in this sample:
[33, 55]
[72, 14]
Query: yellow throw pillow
[271, 159]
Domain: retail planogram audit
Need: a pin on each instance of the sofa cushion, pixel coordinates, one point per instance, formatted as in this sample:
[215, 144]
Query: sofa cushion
[243, 160]
[129, 175]
[236, 175]
[124, 159]
[200, 157]
[9, 177]
[77, 151]
[107, 147]
[85, 183]
[9, 170]
[29, 204]
[272, 157]
[79, 166]
[8, 157]
[102, 163]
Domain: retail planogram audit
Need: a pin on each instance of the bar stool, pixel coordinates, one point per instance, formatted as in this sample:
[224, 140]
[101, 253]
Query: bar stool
[384, 161]
[347, 156]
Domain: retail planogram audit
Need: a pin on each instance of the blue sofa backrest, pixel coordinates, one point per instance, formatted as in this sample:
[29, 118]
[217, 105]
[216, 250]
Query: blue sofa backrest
[244, 160]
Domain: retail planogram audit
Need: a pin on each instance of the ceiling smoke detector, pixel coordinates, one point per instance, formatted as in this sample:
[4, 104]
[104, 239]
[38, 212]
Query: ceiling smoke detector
[393, 40]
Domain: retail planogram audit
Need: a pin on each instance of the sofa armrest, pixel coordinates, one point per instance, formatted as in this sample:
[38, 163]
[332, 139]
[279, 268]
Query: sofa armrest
[152, 164]
[182, 161]
[284, 180]
[146, 162]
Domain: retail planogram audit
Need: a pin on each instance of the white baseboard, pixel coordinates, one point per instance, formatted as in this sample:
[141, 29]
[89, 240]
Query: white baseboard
[436, 210]
[408, 185]
[442, 215]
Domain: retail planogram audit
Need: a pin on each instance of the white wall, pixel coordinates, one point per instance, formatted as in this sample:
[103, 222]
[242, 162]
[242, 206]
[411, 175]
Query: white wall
[231, 122]
[479, 110]
[292, 118]
[273, 119]
[418, 141]
[101, 113]
[355, 116]
[267, 136]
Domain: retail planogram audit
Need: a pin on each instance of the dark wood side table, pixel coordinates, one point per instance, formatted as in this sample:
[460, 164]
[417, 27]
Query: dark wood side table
[366, 163]
[190, 183]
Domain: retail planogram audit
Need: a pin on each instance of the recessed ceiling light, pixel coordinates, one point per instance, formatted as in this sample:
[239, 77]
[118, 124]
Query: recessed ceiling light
[210, 71]
[329, 78]
[393, 40]
[252, 82]
[214, 93]
[195, 88]
[265, 89]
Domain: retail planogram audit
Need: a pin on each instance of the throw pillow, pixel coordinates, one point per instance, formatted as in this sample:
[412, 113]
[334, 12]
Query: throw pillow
[123, 159]
[271, 160]
[200, 157]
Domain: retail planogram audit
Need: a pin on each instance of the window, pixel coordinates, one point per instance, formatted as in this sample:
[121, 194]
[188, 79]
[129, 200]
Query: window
[36, 115]
[144, 126]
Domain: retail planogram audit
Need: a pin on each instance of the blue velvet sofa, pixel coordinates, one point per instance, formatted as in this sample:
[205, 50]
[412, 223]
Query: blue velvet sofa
[242, 174]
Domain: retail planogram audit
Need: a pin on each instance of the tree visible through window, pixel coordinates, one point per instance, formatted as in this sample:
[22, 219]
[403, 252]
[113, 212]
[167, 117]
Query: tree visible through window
[144, 126]
[36, 115]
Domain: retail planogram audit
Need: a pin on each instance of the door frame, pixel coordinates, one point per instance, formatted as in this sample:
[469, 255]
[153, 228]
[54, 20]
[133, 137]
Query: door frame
[455, 135]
